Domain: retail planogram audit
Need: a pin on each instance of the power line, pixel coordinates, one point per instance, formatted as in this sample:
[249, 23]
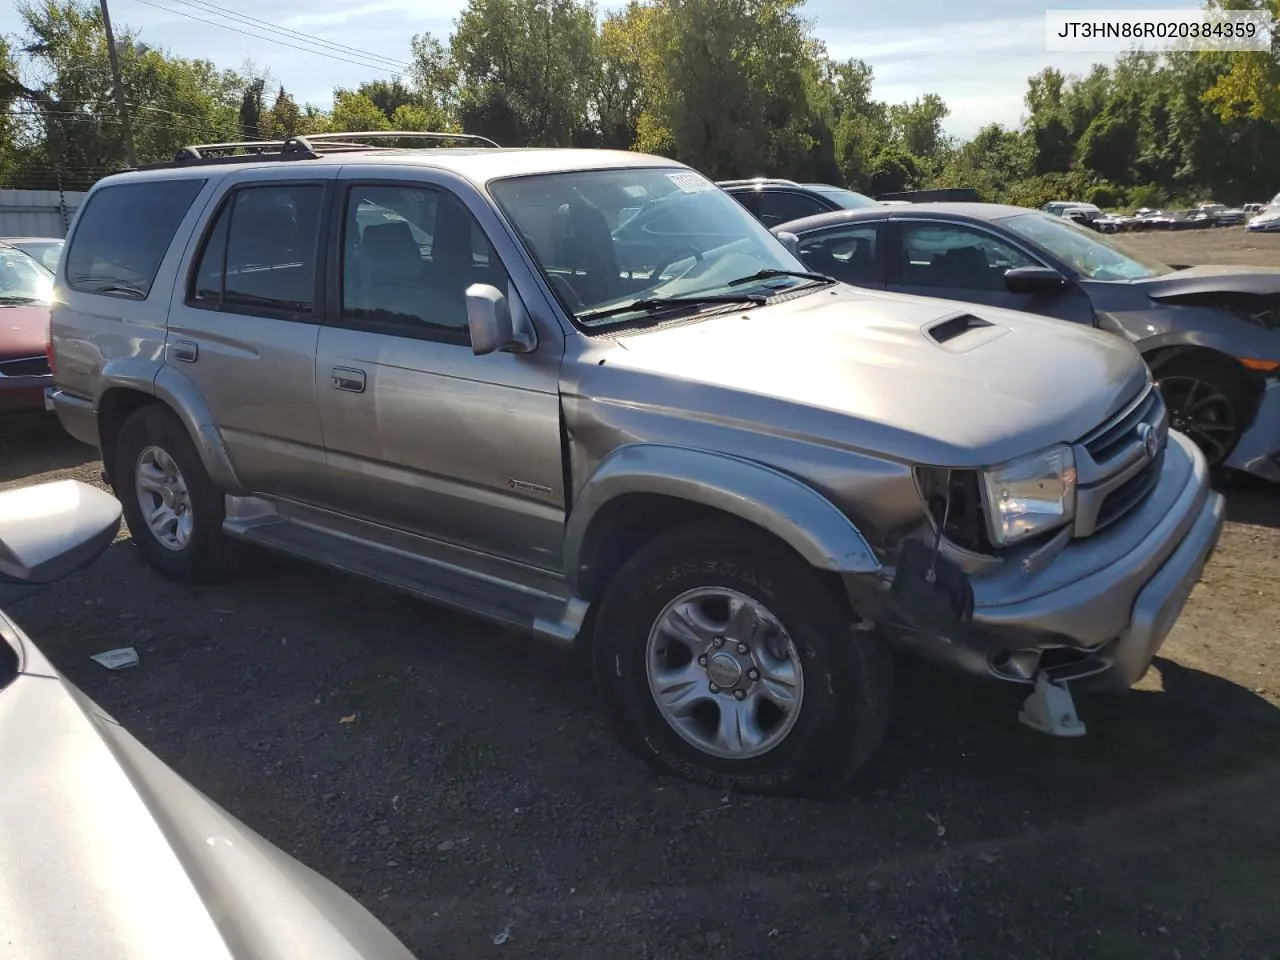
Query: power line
[289, 31]
[213, 23]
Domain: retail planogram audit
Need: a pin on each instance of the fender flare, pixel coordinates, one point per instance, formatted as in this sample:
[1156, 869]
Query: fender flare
[776, 502]
[181, 396]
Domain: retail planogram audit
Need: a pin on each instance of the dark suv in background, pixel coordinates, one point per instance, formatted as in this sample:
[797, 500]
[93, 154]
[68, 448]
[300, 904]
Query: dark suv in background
[779, 201]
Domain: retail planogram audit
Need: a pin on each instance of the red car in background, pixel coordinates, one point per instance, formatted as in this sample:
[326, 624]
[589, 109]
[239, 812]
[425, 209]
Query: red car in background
[25, 289]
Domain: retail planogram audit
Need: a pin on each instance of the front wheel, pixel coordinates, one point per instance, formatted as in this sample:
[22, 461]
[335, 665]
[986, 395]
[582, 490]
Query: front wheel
[722, 658]
[1208, 400]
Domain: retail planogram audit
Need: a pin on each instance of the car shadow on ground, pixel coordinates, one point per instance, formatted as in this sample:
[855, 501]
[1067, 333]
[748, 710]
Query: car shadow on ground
[39, 445]
[357, 728]
[1251, 500]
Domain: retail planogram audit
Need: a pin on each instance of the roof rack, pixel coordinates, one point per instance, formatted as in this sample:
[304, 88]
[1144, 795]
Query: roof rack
[756, 180]
[307, 147]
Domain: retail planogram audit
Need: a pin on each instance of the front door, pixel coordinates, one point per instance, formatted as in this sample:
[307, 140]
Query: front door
[960, 262]
[243, 329]
[421, 434]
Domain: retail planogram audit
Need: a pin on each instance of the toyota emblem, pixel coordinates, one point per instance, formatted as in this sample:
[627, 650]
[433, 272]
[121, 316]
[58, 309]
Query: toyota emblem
[1150, 438]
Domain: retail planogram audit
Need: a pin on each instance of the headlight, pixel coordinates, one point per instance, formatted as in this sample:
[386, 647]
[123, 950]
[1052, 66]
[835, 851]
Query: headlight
[1031, 494]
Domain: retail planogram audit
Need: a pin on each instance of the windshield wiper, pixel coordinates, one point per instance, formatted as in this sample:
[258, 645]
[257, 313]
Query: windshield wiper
[767, 274]
[662, 303]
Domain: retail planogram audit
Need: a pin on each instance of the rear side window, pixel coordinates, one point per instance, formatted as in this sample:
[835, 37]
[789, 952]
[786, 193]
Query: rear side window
[260, 253]
[123, 234]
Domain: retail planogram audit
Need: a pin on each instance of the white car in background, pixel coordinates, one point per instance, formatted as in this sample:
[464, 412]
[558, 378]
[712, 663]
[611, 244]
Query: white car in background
[1268, 219]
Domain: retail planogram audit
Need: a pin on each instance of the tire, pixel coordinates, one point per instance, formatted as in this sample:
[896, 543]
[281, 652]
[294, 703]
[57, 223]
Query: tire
[845, 676]
[200, 556]
[1208, 400]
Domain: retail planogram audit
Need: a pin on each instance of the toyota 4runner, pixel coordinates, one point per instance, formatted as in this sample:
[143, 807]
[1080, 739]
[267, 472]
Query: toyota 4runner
[585, 394]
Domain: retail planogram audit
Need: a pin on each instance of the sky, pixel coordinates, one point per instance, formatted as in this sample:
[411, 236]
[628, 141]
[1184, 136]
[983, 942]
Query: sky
[976, 54]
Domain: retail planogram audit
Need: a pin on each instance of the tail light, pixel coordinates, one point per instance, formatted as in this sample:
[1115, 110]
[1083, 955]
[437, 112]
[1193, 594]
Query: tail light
[48, 351]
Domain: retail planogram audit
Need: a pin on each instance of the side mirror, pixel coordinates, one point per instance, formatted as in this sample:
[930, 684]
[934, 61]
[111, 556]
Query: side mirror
[791, 242]
[490, 323]
[52, 529]
[1034, 280]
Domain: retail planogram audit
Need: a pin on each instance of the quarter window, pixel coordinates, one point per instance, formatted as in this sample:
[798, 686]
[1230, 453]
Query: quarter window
[956, 256]
[409, 255]
[261, 251]
[123, 234]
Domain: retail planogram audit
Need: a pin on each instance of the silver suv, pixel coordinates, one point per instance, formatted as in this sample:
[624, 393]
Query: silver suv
[465, 372]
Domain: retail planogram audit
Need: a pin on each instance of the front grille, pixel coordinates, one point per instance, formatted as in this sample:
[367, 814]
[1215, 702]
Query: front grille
[1116, 470]
[1129, 494]
[1111, 438]
[24, 367]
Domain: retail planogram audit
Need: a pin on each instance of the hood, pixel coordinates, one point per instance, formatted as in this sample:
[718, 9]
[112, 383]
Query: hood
[912, 378]
[1212, 279]
[106, 853]
[24, 330]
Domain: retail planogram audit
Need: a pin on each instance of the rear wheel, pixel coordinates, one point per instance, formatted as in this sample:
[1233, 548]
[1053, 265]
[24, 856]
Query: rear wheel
[722, 658]
[1208, 400]
[174, 511]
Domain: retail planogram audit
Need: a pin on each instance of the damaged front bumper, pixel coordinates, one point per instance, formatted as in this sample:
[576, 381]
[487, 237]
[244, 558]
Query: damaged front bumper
[1099, 611]
[1258, 451]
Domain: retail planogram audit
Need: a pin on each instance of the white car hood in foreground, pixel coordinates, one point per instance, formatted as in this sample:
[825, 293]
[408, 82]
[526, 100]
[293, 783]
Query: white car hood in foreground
[107, 854]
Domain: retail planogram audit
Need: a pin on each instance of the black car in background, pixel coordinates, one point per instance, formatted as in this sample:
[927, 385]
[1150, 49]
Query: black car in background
[1211, 334]
[773, 201]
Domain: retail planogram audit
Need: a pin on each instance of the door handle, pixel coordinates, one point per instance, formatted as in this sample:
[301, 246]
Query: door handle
[348, 378]
[184, 350]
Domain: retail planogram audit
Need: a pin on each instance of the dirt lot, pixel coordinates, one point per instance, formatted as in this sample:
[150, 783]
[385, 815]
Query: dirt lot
[477, 790]
[1233, 245]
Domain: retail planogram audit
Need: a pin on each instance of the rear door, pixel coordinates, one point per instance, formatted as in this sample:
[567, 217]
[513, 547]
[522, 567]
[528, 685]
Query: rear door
[421, 434]
[243, 327]
[961, 261]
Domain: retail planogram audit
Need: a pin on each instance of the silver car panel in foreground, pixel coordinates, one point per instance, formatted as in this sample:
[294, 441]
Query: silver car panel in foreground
[105, 852]
[586, 395]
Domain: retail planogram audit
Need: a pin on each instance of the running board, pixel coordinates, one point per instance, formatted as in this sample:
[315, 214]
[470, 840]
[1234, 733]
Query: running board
[552, 616]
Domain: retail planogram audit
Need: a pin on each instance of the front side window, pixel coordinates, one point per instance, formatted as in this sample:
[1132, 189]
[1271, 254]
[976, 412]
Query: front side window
[261, 251]
[408, 256]
[956, 256]
[123, 233]
[1090, 254]
[688, 239]
[847, 199]
[851, 254]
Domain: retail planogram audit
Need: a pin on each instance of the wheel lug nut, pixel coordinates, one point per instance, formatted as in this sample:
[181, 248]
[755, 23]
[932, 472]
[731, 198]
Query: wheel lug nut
[715, 688]
[702, 660]
[719, 641]
[739, 695]
[743, 648]
[753, 674]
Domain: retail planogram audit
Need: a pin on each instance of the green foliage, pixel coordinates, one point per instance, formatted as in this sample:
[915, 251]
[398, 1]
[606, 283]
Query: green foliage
[732, 87]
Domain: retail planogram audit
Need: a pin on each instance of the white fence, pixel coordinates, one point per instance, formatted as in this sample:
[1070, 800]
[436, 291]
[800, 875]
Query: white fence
[37, 213]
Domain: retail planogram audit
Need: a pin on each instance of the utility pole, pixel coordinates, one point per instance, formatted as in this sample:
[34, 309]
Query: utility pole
[130, 153]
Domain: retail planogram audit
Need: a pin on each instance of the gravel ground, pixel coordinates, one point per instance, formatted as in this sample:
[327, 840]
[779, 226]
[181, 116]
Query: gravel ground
[459, 781]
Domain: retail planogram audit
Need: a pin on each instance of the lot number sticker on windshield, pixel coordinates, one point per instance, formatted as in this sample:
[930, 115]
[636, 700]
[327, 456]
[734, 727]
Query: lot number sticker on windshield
[690, 182]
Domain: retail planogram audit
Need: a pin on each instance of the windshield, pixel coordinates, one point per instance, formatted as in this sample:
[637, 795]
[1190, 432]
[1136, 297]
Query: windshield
[848, 199]
[46, 251]
[605, 238]
[23, 279]
[1090, 254]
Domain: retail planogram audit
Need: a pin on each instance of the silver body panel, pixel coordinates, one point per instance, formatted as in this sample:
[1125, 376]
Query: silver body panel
[483, 482]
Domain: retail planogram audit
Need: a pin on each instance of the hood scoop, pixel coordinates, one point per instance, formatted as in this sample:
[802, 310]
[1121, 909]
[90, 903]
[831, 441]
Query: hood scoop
[956, 332]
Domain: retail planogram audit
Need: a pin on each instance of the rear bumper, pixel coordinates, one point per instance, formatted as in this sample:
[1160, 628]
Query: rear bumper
[1103, 606]
[1258, 451]
[23, 395]
[76, 414]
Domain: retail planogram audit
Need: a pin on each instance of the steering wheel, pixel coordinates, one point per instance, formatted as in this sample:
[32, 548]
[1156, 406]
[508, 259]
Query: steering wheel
[672, 257]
